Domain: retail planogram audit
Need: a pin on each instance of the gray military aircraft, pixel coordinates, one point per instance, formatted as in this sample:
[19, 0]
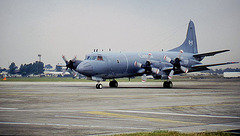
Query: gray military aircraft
[99, 66]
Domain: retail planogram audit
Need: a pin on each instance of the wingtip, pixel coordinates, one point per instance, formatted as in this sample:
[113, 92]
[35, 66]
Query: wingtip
[233, 62]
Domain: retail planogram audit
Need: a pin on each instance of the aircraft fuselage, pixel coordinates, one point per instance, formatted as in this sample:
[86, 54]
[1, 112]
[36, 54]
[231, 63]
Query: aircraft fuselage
[109, 65]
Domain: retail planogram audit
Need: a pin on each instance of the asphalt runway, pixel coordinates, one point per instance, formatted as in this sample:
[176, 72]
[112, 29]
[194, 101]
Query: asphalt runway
[63, 108]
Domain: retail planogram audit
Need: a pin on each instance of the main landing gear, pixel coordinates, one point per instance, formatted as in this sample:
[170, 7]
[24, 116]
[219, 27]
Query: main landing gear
[168, 84]
[113, 83]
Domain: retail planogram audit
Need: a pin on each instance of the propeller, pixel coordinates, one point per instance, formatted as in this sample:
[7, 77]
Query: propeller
[176, 64]
[69, 65]
[146, 68]
[144, 77]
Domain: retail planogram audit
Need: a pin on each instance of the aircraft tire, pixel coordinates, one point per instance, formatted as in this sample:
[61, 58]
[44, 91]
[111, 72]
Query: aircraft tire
[99, 86]
[168, 84]
[113, 83]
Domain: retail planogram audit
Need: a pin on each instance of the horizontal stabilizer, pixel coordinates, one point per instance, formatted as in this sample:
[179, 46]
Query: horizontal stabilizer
[202, 55]
[210, 65]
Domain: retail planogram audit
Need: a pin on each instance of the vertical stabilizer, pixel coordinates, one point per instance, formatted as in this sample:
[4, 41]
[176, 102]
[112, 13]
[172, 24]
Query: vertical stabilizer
[190, 43]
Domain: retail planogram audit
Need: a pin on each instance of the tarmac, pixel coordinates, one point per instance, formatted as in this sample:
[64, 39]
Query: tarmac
[78, 108]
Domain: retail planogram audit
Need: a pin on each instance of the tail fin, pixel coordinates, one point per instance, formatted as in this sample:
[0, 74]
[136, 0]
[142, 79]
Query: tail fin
[190, 43]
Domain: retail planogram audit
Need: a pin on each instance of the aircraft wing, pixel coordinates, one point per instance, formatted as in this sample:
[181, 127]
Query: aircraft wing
[200, 67]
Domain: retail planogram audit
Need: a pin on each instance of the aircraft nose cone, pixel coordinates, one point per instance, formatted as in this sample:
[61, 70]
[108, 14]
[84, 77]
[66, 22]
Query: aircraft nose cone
[85, 68]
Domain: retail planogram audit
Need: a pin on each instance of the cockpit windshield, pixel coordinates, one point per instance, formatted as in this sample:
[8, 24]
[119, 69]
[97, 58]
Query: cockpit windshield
[99, 58]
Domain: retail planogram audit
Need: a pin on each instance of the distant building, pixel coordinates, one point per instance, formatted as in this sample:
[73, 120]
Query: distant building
[59, 67]
[56, 74]
[198, 74]
[231, 74]
[3, 74]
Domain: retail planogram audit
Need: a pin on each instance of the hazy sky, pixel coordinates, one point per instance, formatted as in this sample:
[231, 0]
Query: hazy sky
[76, 27]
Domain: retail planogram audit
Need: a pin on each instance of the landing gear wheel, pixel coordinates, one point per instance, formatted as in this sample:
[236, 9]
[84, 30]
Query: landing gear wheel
[99, 86]
[168, 84]
[113, 83]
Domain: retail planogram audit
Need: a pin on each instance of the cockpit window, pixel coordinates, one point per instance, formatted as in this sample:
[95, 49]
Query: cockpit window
[99, 58]
[87, 58]
[91, 57]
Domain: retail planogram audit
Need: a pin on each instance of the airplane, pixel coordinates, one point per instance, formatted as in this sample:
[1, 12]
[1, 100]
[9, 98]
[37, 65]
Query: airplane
[99, 66]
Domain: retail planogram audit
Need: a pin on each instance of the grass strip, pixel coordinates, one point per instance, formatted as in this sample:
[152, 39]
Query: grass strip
[173, 133]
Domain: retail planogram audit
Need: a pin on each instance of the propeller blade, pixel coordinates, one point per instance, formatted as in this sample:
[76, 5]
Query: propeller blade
[137, 64]
[74, 59]
[184, 69]
[180, 53]
[144, 78]
[171, 74]
[64, 59]
[63, 72]
[74, 73]
[149, 56]
[155, 70]
[167, 58]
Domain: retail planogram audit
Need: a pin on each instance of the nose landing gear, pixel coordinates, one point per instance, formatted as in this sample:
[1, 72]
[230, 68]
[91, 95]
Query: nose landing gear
[99, 86]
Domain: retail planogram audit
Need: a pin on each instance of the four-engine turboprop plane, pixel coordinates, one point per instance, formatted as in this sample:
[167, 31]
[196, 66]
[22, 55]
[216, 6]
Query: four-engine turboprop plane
[100, 66]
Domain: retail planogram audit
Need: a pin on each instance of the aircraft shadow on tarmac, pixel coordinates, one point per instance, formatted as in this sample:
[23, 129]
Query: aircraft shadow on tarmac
[174, 88]
[143, 87]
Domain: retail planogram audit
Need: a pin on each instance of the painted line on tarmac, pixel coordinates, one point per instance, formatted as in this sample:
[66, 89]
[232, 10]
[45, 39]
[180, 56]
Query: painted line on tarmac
[94, 118]
[108, 114]
[72, 125]
[43, 110]
[176, 114]
[187, 106]
[4, 108]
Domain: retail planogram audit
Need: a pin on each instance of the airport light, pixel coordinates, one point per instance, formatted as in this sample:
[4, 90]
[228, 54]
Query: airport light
[39, 55]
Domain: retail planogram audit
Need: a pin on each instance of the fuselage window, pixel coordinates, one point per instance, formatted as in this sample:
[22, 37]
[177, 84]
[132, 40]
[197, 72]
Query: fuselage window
[100, 58]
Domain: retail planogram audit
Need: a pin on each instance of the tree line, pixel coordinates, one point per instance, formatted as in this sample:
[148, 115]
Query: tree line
[27, 69]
